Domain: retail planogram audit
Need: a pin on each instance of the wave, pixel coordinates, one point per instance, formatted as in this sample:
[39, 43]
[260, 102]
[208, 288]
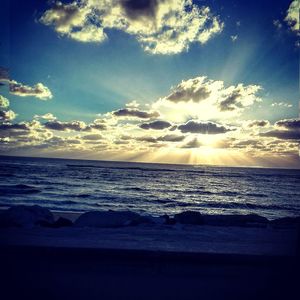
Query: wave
[134, 188]
[18, 189]
[148, 169]
[246, 205]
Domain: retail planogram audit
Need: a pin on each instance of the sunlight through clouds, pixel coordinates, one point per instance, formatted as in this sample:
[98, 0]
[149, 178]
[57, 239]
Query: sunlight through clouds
[161, 27]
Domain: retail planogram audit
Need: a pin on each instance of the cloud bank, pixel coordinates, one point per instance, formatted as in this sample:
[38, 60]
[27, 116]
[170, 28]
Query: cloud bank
[160, 26]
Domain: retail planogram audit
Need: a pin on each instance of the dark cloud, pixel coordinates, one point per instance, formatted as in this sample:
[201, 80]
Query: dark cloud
[252, 143]
[135, 9]
[165, 138]
[288, 129]
[156, 125]
[231, 102]
[23, 129]
[96, 126]
[192, 144]
[171, 138]
[259, 123]
[75, 126]
[17, 126]
[92, 137]
[291, 124]
[282, 134]
[39, 90]
[147, 139]
[194, 90]
[203, 127]
[63, 126]
[238, 98]
[7, 115]
[127, 112]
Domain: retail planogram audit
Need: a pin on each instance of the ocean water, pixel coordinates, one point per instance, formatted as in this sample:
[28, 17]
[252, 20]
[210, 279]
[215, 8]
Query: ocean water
[156, 189]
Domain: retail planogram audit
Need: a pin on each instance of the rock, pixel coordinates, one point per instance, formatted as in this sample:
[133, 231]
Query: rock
[60, 222]
[189, 217]
[25, 216]
[236, 220]
[168, 220]
[142, 220]
[286, 222]
[104, 219]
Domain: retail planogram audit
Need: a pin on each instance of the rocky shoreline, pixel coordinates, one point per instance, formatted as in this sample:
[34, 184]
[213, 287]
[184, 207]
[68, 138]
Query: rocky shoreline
[31, 216]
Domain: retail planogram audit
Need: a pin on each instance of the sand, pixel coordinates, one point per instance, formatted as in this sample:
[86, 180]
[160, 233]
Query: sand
[148, 262]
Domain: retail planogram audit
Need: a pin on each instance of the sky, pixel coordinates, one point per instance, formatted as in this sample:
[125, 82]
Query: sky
[167, 81]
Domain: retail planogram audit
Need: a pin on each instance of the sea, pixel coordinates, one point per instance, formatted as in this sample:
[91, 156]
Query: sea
[149, 189]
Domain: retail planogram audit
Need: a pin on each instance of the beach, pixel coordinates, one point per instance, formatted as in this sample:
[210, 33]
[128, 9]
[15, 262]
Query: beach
[154, 261]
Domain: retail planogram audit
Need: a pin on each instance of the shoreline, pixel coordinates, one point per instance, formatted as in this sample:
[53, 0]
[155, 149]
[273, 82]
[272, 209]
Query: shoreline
[149, 262]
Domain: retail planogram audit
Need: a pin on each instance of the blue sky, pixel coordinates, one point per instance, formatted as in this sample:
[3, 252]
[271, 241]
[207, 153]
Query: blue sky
[91, 78]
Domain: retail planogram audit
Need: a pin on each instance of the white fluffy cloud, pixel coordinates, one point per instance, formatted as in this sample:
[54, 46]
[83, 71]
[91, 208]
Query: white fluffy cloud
[47, 116]
[5, 115]
[292, 17]
[4, 102]
[39, 90]
[160, 26]
[205, 99]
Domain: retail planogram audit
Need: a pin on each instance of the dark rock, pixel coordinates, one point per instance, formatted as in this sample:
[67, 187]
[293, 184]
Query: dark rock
[251, 220]
[62, 222]
[286, 222]
[104, 219]
[25, 216]
[168, 220]
[189, 217]
[142, 220]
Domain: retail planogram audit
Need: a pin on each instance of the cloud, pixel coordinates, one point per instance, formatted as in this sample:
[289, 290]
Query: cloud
[194, 143]
[97, 124]
[206, 99]
[291, 124]
[18, 126]
[4, 102]
[148, 139]
[288, 129]
[92, 137]
[282, 134]
[24, 132]
[74, 21]
[238, 97]
[258, 123]
[292, 17]
[129, 112]
[195, 90]
[233, 38]
[7, 115]
[39, 90]
[47, 116]
[156, 125]
[282, 104]
[133, 104]
[277, 24]
[65, 126]
[160, 26]
[203, 127]
[171, 138]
